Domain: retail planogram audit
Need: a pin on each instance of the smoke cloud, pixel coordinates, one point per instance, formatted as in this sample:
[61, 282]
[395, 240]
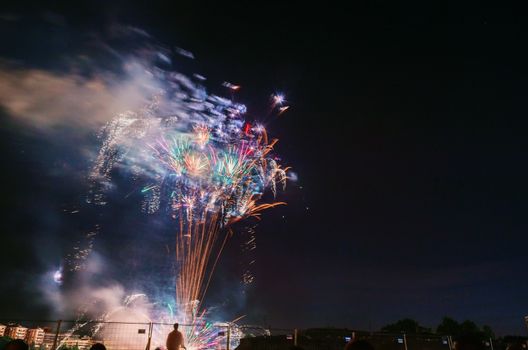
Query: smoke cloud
[44, 100]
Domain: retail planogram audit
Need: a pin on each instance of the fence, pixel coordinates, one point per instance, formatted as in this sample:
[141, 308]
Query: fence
[81, 335]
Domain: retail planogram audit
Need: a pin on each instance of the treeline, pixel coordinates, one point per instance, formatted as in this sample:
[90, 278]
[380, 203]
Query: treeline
[448, 326]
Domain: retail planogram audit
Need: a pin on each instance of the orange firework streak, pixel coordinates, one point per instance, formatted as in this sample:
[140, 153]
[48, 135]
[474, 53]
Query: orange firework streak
[194, 246]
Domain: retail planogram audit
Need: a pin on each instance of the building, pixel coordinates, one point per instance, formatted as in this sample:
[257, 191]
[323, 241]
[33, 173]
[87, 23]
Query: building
[82, 343]
[49, 339]
[35, 336]
[15, 331]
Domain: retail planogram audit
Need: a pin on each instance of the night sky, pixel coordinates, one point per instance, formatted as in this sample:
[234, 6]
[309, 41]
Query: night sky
[406, 131]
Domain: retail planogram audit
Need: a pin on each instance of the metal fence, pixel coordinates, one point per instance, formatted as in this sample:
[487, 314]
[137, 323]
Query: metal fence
[81, 335]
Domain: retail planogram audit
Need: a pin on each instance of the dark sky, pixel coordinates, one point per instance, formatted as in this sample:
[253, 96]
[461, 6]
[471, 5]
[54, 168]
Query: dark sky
[407, 132]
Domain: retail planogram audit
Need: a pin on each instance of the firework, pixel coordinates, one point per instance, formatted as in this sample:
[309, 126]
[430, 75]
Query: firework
[195, 156]
[278, 99]
[215, 181]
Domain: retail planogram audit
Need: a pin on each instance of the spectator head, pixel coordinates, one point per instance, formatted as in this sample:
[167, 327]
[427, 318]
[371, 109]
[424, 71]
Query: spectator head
[17, 344]
[98, 346]
[515, 346]
[176, 325]
[359, 345]
[469, 343]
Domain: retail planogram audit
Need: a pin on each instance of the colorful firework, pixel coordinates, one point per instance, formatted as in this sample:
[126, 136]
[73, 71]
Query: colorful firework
[195, 156]
[215, 181]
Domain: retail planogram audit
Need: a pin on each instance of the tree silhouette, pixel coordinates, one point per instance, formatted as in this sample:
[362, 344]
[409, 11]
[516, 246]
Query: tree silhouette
[448, 326]
[468, 328]
[406, 325]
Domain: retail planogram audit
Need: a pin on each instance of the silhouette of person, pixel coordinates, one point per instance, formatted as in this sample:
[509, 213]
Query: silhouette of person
[515, 346]
[468, 342]
[98, 346]
[16, 344]
[175, 339]
[358, 345]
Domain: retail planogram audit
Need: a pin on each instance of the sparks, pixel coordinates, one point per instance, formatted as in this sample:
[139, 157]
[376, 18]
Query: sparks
[278, 99]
